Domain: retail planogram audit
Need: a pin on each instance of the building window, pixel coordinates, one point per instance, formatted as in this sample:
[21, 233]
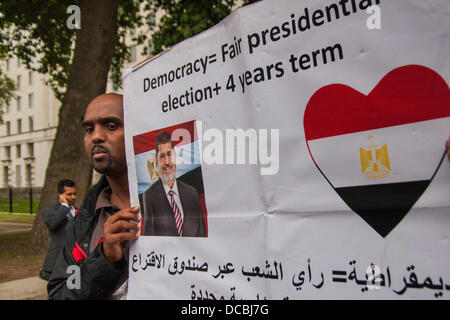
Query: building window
[151, 19]
[8, 152]
[8, 106]
[151, 46]
[30, 147]
[28, 175]
[30, 123]
[30, 78]
[133, 56]
[30, 100]
[19, 125]
[7, 64]
[19, 81]
[19, 103]
[5, 177]
[18, 151]
[18, 176]
[8, 128]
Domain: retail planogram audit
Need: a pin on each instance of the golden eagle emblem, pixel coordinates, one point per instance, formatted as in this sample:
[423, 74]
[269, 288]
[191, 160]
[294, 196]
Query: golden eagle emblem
[152, 167]
[375, 162]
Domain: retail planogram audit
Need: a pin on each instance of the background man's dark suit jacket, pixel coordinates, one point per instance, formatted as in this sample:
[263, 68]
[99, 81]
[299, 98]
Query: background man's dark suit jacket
[159, 219]
[55, 217]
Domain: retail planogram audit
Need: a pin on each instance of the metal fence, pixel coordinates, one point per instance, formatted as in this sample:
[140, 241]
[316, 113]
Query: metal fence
[26, 196]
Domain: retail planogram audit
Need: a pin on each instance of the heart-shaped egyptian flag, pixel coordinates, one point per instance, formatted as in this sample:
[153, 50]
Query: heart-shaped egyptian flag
[380, 151]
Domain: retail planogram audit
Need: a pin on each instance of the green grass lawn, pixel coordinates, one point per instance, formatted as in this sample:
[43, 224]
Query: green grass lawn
[19, 206]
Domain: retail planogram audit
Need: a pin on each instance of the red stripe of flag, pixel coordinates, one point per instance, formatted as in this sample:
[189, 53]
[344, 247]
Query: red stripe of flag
[146, 141]
[405, 95]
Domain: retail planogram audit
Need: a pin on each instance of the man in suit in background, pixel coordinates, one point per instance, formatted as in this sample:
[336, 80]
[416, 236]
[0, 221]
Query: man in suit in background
[55, 217]
[171, 207]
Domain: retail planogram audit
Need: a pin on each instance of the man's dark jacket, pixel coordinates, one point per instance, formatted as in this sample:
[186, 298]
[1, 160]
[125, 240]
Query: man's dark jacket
[98, 277]
[159, 219]
[55, 217]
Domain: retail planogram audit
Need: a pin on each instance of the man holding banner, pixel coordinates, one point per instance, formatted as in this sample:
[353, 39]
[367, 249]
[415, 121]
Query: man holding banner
[93, 263]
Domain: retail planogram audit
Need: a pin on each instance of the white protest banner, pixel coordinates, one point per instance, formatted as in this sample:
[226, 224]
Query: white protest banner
[308, 156]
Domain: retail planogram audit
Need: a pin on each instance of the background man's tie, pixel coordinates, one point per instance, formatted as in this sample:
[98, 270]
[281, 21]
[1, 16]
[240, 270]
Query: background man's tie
[176, 211]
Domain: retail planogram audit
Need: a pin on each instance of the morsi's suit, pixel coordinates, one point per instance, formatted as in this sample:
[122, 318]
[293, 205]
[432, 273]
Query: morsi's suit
[159, 219]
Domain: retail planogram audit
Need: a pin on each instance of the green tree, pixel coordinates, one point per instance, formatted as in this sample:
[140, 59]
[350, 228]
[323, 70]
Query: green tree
[78, 61]
[183, 19]
[37, 32]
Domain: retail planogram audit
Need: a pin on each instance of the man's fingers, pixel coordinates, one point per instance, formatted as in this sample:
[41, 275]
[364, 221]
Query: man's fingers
[125, 214]
[123, 236]
[117, 227]
[62, 199]
[447, 146]
[121, 226]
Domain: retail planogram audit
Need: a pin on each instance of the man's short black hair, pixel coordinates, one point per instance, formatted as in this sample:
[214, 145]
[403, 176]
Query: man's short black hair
[162, 138]
[65, 183]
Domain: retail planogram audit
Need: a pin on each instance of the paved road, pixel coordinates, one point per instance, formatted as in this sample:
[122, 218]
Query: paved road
[30, 288]
[13, 227]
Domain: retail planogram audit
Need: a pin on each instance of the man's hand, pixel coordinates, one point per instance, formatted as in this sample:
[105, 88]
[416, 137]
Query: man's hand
[62, 199]
[447, 145]
[117, 233]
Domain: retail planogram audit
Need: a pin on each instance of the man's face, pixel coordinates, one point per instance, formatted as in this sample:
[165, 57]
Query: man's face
[70, 195]
[166, 162]
[104, 137]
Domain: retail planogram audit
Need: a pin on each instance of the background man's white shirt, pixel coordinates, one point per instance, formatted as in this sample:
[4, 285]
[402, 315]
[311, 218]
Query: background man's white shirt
[72, 208]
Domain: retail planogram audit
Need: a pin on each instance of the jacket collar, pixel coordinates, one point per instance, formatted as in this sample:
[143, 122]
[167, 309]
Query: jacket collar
[91, 198]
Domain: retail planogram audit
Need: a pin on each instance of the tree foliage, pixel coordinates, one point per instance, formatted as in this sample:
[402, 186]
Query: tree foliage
[183, 19]
[36, 31]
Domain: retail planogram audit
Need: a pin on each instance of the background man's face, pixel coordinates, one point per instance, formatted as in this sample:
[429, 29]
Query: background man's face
[104, 137]
[166, 162]
[70, 194]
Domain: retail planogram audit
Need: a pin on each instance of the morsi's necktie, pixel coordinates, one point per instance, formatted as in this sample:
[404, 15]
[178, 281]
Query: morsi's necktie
[177, 212]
